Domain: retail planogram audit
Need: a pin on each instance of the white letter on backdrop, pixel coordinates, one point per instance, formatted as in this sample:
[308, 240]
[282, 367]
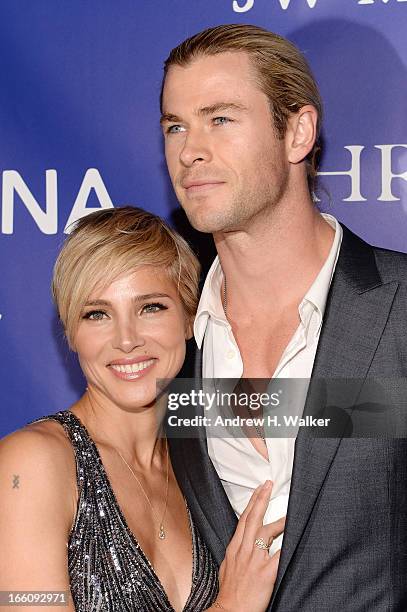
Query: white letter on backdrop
[286, 3]
[387, 174]
[91, 180]
[47, 220]
[243, 9]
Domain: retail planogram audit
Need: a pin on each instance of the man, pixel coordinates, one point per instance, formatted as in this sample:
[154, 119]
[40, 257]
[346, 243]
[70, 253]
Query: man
[292, 294]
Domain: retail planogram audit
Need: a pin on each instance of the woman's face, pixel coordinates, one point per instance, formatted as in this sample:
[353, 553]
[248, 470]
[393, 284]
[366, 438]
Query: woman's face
[130, 334]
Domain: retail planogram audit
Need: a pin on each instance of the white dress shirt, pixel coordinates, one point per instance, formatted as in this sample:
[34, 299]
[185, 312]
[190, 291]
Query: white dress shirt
[240, 467]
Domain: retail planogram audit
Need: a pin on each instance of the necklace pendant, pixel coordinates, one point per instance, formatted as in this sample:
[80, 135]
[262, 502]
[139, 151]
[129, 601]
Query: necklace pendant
[161, 533]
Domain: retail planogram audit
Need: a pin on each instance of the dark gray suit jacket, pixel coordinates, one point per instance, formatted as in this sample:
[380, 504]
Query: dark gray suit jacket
[345, 541]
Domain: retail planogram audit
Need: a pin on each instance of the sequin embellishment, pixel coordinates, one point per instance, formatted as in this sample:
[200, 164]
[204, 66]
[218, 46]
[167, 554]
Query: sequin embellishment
[108, 570]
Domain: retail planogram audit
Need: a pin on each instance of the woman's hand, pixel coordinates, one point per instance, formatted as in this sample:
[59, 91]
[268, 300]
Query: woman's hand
[248, 573]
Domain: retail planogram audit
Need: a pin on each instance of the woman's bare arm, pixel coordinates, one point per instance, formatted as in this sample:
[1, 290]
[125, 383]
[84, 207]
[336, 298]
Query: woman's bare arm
[37, 506]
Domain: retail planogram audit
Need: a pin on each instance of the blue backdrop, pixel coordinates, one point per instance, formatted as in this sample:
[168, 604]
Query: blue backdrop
[79, 129]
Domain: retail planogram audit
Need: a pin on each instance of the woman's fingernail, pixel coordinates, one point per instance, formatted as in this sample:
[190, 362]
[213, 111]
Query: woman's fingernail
[268, 484]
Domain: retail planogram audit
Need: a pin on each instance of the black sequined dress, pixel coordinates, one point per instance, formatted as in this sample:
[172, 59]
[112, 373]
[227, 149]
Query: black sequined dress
[108, 570]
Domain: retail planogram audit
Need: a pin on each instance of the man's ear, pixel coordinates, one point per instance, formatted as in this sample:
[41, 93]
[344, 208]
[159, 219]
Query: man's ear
[301, 133]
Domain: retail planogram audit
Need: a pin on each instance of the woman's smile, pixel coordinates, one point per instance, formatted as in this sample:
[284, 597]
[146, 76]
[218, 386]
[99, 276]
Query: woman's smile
[132, 370]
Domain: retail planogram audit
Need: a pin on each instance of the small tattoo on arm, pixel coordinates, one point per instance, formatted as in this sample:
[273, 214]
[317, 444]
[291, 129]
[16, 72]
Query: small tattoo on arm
[16, 481]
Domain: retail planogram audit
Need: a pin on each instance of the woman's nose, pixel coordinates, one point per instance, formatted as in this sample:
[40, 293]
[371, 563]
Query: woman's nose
[128, 336]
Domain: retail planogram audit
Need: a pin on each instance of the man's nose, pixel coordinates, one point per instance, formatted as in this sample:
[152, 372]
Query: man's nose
[128, 335]
[196, 148]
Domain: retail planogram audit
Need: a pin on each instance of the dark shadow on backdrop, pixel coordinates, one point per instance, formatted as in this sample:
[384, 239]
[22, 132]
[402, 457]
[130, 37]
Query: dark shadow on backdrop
[201, 243]
[363, 84]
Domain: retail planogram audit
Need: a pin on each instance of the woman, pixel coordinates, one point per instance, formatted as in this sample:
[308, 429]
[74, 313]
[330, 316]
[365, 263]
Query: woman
[98, 510]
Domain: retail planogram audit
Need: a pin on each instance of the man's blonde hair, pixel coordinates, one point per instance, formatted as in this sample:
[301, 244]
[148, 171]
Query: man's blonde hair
[282, 72]
[111, 242]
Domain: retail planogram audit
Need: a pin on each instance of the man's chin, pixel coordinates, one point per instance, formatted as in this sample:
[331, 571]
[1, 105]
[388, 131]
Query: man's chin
[205, 226]
[204, 220]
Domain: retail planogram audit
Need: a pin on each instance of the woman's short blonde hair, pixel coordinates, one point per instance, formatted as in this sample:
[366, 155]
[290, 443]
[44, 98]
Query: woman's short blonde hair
[111, 242]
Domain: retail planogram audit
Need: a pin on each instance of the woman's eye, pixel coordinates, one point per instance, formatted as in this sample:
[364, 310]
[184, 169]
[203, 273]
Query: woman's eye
[221, 120]
[156, 307]
[95, 315]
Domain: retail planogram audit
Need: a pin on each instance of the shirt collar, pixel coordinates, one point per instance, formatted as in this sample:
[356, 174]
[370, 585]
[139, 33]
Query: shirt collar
[317, 294]
[210, 303]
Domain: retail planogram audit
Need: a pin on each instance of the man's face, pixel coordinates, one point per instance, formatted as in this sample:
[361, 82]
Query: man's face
[225, 161]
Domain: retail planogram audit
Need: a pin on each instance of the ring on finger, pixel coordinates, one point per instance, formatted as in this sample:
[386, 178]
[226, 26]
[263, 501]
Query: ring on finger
[260, 543]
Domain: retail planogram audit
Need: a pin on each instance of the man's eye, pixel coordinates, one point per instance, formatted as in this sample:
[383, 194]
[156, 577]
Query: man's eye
[175, 129]
[95, 315]
[155, 307]
[221, 120]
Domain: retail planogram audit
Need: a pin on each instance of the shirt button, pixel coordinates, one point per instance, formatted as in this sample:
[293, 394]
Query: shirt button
[230, 354]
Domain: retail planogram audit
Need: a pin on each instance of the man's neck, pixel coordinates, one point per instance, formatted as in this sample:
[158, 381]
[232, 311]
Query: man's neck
[271, 264]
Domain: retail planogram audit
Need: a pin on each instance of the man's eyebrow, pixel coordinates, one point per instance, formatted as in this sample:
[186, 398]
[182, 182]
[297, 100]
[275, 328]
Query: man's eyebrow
[205, 111]
[168, 117]
[221, 106]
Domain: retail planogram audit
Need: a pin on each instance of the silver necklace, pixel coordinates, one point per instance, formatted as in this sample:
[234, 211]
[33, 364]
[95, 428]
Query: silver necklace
[224, 297]
[249, 410]
[257, 428]
[252, 416]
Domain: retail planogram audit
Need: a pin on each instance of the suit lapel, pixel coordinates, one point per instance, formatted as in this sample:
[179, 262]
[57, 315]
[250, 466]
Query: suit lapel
[218, 520]
[198, 478]
[357, 309]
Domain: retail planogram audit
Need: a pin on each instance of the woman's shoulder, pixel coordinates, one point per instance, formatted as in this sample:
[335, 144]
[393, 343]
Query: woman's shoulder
[44, 439]
[39, 460]
[38, 496]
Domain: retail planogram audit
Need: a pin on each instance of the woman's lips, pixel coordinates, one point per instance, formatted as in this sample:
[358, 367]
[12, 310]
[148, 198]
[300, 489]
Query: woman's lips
[131, 371]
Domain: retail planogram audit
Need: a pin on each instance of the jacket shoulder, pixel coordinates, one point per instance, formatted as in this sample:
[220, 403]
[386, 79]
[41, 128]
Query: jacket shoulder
[379, 264]
[392, 265]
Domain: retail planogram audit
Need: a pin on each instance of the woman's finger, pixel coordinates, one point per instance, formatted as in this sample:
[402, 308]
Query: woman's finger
[253, 498]
[254, 520]
[238, 535]
[271, 531]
